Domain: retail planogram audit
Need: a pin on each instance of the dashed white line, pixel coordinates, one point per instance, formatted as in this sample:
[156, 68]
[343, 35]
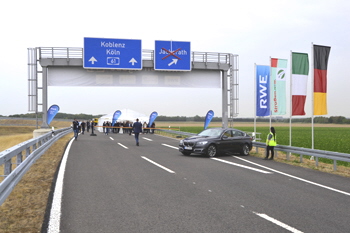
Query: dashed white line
[174, 147]
[122, 145]
[148, 139]
[275, 221]
[157, 164]
[243, 166]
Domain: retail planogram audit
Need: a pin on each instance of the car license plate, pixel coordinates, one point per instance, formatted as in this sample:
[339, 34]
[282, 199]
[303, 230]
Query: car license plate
[188, 148]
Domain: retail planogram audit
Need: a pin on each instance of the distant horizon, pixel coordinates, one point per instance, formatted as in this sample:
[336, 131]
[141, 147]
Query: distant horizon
[258, 117]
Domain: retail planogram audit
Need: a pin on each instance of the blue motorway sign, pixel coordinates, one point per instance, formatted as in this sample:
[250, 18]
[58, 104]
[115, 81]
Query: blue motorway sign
[106, 53]
[172, 55]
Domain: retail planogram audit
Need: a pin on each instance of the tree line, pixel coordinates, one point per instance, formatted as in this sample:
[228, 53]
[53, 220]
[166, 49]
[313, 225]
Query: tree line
[319, 119]
[81, 116]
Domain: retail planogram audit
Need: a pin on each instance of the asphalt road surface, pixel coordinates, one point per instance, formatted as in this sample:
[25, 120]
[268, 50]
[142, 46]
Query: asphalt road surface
[112, 185]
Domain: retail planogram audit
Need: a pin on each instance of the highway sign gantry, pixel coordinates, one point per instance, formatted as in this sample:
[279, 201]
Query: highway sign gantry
[108, 53]
[172, 55]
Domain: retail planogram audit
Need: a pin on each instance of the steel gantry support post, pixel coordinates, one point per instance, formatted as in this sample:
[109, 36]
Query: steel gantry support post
[44, 101]
[224, 99]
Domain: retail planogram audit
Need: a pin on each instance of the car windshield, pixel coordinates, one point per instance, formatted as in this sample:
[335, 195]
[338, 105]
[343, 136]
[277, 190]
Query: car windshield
[211, 132]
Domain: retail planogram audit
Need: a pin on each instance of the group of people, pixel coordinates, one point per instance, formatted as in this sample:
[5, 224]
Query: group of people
[125, 127]
[80, 126]
[128, 127]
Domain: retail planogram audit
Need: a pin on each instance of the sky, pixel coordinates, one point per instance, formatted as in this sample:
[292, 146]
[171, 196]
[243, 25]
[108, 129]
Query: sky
[255, 30]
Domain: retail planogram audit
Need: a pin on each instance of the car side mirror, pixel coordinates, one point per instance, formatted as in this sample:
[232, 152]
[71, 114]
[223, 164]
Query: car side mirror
[224, 137]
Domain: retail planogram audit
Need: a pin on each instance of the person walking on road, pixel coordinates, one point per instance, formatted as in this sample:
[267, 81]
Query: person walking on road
[75, 126]
[108, 124]
[83, 127]
[137, 127]
[104, 127]
[87, 126]
[271, 143]
[152, 127]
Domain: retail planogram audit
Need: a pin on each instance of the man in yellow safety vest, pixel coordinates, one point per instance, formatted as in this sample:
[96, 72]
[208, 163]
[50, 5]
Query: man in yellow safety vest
[271, 143]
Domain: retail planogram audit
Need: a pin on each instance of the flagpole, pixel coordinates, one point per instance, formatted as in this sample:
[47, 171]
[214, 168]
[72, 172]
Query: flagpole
[291, 101]
[312, 95]
[271, 89]
[255, 93]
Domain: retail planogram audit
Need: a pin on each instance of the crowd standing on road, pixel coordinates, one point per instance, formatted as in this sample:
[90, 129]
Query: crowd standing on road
[127, 127]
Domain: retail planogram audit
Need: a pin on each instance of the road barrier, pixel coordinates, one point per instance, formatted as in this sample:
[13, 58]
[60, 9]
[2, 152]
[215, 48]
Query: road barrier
[26, 154]
[335, 156]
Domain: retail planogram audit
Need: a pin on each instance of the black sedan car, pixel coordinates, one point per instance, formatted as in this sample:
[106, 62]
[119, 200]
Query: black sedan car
[214, 141]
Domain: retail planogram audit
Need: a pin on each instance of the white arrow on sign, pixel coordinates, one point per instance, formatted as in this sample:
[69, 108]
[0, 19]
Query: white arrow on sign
[93, 60]
[132, 61]
[173, 62]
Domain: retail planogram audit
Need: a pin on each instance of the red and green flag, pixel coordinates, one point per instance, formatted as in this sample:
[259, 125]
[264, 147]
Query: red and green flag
[300, 72]
[321, 54]
[278, 86]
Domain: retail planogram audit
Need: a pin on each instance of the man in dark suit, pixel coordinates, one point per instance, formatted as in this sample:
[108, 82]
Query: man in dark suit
[75, 126]
[137, 127]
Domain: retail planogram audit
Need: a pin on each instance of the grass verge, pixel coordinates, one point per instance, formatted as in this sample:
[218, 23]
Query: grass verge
[24, 210]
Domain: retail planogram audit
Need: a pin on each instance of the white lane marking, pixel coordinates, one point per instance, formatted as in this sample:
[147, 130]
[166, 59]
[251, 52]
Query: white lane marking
[148, 139]
[111, 138]
[240, 165]
[55, 213]
[281, 224]
[170, 146]
[295, 177]
[122, 145]
[157, 164]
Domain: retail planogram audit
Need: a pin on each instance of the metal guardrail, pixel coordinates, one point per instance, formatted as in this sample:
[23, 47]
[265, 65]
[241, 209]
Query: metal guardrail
[335, 156]
[33, 149]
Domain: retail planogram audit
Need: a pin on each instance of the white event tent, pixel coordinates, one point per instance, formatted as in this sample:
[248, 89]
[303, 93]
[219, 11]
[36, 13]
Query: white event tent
[126, 115]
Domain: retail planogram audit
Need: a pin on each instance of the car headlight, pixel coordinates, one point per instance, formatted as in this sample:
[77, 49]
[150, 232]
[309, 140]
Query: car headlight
[202, 143]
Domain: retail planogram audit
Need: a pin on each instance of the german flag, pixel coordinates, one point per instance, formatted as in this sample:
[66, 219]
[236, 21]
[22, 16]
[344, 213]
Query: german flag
[321, 54]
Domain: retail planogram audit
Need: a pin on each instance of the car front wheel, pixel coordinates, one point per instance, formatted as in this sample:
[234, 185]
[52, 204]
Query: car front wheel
[245, 149]
[212, 152]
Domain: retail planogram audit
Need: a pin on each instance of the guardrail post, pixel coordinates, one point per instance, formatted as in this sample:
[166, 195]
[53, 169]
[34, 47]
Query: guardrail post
[334, 165]
[27, 152]
[316, 161]
[19, 158]
[301, 158]
[288, 156]
[8, 167]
